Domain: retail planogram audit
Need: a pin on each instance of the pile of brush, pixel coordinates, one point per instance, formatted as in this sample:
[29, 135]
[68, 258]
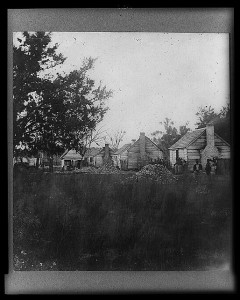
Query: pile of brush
[157, 173]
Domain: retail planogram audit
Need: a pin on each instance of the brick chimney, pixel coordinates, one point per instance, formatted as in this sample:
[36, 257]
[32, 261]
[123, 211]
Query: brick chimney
[210, 135]
[106, 152]
[142, 148]
[210, 151]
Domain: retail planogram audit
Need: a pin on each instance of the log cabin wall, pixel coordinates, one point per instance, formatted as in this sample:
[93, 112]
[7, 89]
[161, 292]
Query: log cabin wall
[195, 149]
[223, 148]
[142, 152]
[134, 156]
[152, 151]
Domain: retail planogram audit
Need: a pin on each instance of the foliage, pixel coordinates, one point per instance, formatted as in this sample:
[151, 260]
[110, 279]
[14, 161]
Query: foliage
[52, 113]
[85, 108]
[170, 136]
[31, 92]
[221, 121]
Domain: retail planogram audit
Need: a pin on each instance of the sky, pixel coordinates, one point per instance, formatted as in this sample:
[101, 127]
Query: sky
[152, 75]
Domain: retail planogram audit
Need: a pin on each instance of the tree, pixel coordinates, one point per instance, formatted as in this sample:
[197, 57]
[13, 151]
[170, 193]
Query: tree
[220, 120]
[85, 108]
[31, 57]
[53, 113]
[116, 138]
[170, 135]
[205, 115]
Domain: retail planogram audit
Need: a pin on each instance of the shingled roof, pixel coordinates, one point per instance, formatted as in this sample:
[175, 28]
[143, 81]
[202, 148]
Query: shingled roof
[187, 139]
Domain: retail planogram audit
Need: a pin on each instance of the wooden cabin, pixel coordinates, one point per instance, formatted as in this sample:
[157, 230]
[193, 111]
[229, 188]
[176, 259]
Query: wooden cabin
[142, 152]
[201, 144]
[71, 159]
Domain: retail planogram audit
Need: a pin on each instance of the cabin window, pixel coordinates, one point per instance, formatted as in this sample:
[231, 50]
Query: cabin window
[91, 159]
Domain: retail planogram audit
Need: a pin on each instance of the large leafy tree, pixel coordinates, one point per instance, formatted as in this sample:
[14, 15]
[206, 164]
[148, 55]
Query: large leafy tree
[53, 113]
[32, 103]
[85, 107]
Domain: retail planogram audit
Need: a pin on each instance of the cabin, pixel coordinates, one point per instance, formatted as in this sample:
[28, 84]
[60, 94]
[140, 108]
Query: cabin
[143, 152]
[90, 156]
[120, 157]
[71, 158]
[201, 144]
[105, 155]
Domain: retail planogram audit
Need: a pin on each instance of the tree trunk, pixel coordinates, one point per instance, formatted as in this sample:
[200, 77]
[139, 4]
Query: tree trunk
[37, 161]
[51, 164]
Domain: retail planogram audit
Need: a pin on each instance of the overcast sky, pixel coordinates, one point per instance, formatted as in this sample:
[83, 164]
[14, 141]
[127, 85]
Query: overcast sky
[152, 75]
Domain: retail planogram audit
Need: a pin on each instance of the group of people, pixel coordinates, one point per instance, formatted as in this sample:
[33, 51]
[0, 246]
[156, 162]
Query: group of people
[210, 168]
[180, 166]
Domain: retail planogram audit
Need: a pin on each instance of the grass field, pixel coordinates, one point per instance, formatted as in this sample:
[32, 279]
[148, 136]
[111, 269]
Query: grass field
[106, 222]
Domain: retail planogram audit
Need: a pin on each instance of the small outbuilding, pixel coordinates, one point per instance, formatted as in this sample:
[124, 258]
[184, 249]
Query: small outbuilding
[202, 144]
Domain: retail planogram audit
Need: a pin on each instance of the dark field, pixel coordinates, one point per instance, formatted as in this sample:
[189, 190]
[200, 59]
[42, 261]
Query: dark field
[101, 222]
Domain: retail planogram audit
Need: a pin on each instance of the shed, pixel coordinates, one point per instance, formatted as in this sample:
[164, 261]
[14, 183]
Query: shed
[201, 144]
[142, 152]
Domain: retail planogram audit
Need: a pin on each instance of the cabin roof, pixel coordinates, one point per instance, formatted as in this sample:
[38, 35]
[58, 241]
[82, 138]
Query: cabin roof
[187, 139]
[122, 149]
[71, 155]
[147, 138]
[190, 137]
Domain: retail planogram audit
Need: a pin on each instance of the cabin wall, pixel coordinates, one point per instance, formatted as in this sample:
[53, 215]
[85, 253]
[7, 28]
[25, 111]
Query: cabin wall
[182, 153]
[193, 154]
[172, 156]
[133, 155]
[223, 148]
[152, 151]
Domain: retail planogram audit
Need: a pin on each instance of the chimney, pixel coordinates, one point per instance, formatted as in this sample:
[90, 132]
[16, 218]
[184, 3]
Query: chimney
[142, 148]
[210, 134]
[106, 153]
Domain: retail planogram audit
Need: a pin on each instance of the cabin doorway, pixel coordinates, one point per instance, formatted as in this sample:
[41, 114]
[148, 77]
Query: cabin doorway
[177, 155]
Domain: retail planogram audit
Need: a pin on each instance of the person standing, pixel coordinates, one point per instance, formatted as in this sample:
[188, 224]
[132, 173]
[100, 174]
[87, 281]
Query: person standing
[208, 167]
[213, 168]
[197, 167]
